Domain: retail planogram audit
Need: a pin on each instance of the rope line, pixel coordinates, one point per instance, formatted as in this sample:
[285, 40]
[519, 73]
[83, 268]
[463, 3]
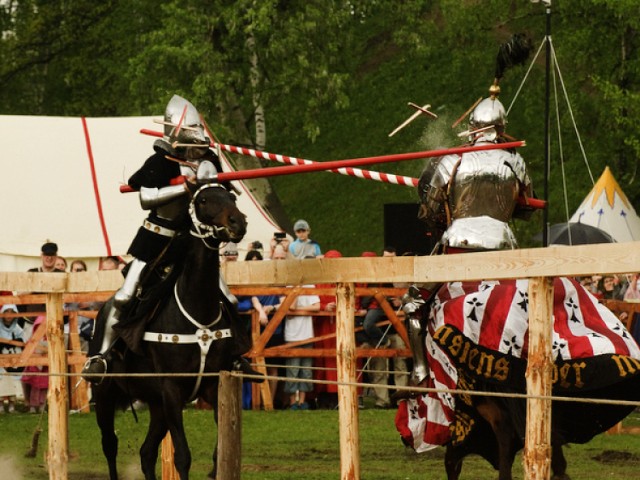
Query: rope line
[409, 389]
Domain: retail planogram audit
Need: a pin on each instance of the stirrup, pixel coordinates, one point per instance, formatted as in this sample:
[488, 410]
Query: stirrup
[94, 369]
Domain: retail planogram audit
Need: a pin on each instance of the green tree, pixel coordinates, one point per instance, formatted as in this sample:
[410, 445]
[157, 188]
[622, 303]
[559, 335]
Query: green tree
[70, 58]
[329, 79]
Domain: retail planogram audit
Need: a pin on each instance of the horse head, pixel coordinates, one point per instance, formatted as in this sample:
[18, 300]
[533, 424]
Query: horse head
[214, 214]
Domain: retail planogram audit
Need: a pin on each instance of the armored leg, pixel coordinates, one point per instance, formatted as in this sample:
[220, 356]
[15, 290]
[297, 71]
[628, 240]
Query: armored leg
[412, 304]
[109, 334]
[97, 365]
[130, 284]
[416, 338]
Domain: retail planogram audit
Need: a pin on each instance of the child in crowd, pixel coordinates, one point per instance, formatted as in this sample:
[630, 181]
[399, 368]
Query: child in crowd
[9, 330]
[35, 386]
[303, 246]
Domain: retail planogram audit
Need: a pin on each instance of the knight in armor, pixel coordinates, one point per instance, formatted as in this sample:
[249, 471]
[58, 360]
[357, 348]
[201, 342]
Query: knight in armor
[470, 198]
[182, 151]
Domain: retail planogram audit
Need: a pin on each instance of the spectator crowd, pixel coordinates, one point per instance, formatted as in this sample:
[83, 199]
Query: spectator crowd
[308, 316]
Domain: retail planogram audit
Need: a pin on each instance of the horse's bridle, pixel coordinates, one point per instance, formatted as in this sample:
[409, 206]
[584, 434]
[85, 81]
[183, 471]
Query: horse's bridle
[203, 336]
[202, 230]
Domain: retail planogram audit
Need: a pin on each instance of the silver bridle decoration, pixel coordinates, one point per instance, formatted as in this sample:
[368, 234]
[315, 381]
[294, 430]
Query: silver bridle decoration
[202, 230]
[203, 336]
[189, 317]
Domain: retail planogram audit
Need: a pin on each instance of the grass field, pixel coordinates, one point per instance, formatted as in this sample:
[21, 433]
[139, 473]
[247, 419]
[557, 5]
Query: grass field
[288, 445]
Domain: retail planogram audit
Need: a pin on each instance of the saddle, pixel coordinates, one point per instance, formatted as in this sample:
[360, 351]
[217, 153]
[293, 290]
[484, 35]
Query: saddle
[155, 289]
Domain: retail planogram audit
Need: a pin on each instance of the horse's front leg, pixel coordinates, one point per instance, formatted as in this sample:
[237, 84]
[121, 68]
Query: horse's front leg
[210, 395]
[155, 433]
[504, 432]
[105, 405]
[558, 462]
[172, 404]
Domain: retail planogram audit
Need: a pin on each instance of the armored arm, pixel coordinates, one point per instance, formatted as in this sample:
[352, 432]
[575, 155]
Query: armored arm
[156, 197]
[432, 189]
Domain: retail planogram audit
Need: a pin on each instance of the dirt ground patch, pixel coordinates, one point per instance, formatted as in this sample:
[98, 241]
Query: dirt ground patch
[616, 456]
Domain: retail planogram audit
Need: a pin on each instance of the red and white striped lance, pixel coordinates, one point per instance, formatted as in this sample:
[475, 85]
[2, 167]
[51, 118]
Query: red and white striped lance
[352, 172]
[349, 163]
[276, 157]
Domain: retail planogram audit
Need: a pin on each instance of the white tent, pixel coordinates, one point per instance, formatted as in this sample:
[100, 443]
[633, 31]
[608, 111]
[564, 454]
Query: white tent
[60, 182]
[608, 208]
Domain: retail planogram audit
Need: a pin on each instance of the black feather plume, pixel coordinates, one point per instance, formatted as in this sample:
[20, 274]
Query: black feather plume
[511, 53]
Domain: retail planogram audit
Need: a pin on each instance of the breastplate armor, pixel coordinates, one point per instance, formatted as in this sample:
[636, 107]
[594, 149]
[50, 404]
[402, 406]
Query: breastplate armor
[480, 190]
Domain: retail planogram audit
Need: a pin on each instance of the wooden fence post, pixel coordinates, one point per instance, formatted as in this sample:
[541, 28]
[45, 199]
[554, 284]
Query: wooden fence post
[259, 391]
[537, 448]
[346, 372]
[79, 396]
[229, 427]
[168, 468]
[57, 395]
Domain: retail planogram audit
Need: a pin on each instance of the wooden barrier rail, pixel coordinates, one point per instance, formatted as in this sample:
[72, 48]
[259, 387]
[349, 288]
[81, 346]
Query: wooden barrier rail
[534, 264]
[292, 349]
[75, 358]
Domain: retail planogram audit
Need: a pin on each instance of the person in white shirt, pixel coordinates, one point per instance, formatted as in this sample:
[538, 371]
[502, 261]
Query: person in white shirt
[299, 328]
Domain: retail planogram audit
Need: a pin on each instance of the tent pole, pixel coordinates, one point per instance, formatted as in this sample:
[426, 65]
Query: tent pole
[547, 161]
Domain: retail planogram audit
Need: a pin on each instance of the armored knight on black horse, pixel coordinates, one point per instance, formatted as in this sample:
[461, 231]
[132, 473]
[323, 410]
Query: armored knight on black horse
[183, 152]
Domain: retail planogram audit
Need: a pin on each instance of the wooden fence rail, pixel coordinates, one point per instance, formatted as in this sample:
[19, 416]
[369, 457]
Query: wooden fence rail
[537, 264]
[78, 396]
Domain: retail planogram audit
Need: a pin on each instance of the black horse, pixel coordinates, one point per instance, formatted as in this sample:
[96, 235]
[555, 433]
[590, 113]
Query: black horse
[190, 332]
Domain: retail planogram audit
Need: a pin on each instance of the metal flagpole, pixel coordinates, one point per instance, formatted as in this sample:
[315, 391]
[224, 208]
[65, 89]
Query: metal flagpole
[547, 139]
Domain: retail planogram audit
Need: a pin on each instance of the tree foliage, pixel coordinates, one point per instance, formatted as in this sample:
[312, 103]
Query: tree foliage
[331, 78]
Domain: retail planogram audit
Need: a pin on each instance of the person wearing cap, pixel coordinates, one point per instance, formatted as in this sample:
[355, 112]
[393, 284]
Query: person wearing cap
[48, 255]
[303, 246]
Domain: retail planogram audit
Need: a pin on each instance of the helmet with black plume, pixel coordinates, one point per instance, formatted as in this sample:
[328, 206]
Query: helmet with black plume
[488, 117]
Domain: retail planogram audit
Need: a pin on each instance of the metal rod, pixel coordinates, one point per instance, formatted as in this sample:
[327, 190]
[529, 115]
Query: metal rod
[547, 138]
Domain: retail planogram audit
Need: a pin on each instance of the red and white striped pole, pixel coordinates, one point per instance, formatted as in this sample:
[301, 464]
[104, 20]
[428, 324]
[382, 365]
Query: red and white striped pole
[352, 172]
[345, 170]
[354, 162]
